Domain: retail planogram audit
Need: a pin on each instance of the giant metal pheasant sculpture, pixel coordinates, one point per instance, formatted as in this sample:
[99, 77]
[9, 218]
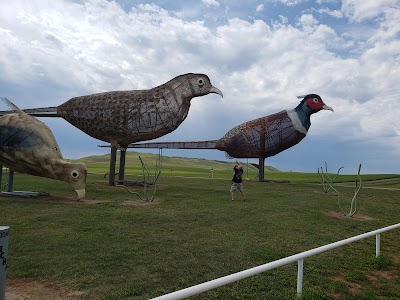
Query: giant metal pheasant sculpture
[259, 138]
[270, 135]
[28, 146]
[124, 117]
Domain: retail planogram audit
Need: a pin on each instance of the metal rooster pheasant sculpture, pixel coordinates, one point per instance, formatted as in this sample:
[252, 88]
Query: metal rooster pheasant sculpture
[259, 138]
[124, 117]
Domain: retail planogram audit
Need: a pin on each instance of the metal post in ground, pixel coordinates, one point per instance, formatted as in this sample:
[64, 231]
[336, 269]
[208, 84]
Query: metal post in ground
[1, 176]
[300, 263]
[10, 186]
[261, 162]
[113, 159]
[378, 245]
[122, 161]
[3, 260]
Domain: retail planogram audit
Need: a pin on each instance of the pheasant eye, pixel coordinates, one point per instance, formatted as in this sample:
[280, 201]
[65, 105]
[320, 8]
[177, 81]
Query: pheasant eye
[200, 82]
[74, 174]
[315, 100]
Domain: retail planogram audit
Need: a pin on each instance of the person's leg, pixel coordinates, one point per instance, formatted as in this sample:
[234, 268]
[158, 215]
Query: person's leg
[242, 191]
[233, 188]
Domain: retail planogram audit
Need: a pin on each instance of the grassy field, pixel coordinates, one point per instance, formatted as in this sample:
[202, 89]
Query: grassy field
[179, 166]
[114, 247]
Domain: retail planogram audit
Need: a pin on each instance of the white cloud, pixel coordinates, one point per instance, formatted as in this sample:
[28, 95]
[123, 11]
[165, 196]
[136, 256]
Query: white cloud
[307, 20]
[359, 10]
[333, 13]
[210, 2]
[97, 46]
[289, 2]
[260, 8]
[326, 1]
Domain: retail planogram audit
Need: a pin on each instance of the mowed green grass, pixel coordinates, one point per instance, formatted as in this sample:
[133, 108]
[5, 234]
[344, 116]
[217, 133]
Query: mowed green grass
[193, 233]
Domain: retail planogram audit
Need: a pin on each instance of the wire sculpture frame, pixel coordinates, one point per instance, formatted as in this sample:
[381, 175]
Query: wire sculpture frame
[146, 179]
[327, 184]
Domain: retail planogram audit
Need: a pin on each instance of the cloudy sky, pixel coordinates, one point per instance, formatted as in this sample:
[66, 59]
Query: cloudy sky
[261, 54]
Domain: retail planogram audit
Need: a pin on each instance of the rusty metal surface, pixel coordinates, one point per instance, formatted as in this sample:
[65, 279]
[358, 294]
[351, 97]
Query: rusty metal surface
[262, 137]
[124, 117]
[130, 116]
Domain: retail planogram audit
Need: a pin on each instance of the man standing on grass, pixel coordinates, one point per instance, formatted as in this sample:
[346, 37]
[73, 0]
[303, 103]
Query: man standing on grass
[237, 181]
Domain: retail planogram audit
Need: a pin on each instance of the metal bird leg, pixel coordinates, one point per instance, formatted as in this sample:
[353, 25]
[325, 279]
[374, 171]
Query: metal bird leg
[113, 159]
[10, 187]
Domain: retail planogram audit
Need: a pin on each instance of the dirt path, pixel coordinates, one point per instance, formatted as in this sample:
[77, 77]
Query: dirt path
[28, 289]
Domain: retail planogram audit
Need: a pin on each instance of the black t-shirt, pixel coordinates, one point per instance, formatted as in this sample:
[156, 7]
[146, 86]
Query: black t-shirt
[237, 177]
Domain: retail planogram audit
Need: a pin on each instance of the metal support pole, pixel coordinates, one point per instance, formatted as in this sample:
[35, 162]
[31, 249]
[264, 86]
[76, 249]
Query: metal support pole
[299, 277]
[3, 260]
[10, 186]
[122, 158]
[113, 160]
[1, 176]
[378, 245]
[261, 162]
[247, 177]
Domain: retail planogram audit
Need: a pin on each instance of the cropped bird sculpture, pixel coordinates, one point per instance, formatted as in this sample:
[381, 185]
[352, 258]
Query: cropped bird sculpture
[262, 137]
[124, 117]
[28, 146]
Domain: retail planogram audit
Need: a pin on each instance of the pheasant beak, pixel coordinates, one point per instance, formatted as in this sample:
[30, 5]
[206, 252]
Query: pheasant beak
[216, 91]
[81, 193]
[328, 108]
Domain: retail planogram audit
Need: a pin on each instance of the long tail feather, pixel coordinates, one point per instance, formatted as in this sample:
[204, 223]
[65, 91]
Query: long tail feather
[176, 145]
[36, 112]
[10, 104]
[42, 112]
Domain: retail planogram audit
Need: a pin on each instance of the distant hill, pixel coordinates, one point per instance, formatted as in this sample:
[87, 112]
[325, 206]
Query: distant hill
[100, 163]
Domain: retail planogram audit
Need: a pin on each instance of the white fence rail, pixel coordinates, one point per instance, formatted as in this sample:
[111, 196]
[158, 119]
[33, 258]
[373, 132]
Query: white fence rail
[209, 285]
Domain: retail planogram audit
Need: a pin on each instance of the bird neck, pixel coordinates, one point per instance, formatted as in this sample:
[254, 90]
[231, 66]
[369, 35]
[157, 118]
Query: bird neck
[304, 113]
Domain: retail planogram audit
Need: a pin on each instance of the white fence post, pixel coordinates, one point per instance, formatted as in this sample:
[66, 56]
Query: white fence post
[3, 260]
[378, 244]
[299, 277]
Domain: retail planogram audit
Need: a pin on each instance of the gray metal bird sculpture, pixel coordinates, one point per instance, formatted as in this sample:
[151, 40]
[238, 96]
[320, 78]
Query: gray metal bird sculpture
[259, 138]
[124, 117]
[28, 146]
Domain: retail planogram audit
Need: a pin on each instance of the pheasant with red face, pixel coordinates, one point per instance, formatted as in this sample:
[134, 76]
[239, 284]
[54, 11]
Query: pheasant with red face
[269, 135]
